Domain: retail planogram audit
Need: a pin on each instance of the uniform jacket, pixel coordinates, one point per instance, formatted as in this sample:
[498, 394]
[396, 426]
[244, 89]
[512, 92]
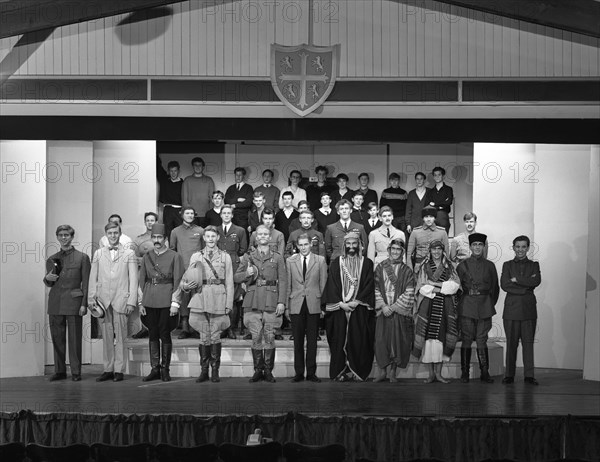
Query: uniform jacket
[170, 264]
[114, 282]
[311, 288]
[70, 291]
[419, 240]
[213, 298]
[269, 267]
[520, 302]
[478, 274]
[235, 243]
[316, 239]
[334, 238]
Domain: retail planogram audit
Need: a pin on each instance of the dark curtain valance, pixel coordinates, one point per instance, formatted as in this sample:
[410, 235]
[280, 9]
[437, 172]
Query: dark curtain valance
[391, 439]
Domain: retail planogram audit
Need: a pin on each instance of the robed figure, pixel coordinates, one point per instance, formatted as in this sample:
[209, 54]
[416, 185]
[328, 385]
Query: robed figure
[350, 318]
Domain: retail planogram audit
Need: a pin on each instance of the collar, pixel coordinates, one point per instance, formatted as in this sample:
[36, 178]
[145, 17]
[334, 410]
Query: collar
[305, 256]
[436, 185]
[521, 260]
[68, 251]
[188, 226]
[347, 222]
[175, 181]
[240, 184]
[432, 227]
[159, 252]
[267, 185]
[205, 250]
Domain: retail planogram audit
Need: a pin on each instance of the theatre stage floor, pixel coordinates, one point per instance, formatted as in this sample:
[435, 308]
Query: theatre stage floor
[561, 392]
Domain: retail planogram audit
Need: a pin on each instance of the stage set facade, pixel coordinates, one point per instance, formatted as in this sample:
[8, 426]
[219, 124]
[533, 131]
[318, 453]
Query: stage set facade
[505, 98]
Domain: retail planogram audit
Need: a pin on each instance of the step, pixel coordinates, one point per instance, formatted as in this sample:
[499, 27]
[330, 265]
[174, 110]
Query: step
[236, 360]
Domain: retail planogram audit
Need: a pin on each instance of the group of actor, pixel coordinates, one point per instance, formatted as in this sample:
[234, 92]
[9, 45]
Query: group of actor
[264, 255]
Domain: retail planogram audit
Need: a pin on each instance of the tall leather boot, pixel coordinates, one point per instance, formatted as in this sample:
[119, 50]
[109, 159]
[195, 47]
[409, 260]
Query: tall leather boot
[258, 358]
[484, 364]
[204, 359]
[167, 349]
[185, 328]
[215, 361]
[465, 364]
[154, 362]
[269, 364]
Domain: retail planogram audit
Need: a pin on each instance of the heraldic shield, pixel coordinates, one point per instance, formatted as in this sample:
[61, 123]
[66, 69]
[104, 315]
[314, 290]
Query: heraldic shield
[303, 76]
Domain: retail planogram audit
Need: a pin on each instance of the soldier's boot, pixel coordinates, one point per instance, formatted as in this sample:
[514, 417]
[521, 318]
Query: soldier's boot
[258, 359]
[484, 365]
[204, 359]
[269, 364]
[166, 362]
[465, 364]
[154, 362]
[185, 328]
[215, 361]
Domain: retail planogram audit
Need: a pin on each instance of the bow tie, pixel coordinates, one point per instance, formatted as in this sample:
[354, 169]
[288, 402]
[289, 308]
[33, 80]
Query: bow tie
[113, 248]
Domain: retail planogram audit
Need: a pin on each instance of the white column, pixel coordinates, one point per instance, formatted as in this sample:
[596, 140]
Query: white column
[23, 238]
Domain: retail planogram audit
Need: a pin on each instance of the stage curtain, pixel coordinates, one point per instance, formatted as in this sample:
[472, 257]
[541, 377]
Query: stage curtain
[582, 440]
[61, 429]
[443, 439]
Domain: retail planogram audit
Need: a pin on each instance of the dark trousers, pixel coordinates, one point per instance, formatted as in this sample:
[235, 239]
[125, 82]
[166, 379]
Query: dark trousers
[515, 331]
[475, 330]
[157, 322]
[171, 219]
[306, 325]
[63, 329]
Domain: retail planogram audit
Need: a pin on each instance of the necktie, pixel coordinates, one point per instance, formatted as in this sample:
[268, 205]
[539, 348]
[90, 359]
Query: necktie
[346, 227]
[239, 186]
[210, 255]
[225, 229]
[304, 268]
[388, 232]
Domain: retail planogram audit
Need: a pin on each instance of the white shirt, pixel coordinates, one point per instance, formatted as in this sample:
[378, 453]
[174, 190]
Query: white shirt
[124, 240]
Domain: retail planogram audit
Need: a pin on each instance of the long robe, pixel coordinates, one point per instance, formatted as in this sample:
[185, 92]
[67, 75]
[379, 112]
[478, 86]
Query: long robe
[442, 326]
[351, 336]
[394, 334]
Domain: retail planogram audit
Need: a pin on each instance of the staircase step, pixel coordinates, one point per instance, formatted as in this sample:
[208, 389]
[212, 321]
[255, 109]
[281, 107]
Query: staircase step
[236, 360]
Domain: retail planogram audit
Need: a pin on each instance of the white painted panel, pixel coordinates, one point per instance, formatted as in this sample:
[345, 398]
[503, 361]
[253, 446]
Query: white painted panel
[22, 292]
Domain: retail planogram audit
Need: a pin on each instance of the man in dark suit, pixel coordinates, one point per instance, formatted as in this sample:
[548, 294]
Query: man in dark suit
[334, 236]
[306, 276]
[233, 241]
[520, 277]
[240, 195]
[68, 273]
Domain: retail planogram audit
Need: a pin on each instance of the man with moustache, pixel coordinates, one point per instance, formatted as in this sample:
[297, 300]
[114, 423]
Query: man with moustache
[460, 249]
[479, 281]
[276, 238]
[306, 276]
[114, 283]
[161, 270]
[380, 238]
[68, 273]
[349, 298]
[263, 272]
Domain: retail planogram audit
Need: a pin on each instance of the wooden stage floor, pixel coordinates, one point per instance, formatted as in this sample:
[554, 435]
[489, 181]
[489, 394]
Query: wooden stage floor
[560, 393]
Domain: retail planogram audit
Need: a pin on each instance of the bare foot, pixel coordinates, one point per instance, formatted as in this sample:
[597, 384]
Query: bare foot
[393, 379]
[439, 378]
[430, 379]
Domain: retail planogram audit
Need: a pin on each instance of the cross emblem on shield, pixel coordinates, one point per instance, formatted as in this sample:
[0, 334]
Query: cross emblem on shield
[303, 76]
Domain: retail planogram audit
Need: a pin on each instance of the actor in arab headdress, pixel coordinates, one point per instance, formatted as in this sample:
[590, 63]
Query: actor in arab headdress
[350, 315]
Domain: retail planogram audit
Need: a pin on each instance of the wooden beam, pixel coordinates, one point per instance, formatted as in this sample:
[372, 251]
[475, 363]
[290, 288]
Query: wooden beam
[19, 17]
[579, 16]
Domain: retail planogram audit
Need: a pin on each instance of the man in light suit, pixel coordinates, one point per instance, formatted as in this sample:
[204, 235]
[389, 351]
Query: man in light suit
[307, 276]
[114, 282]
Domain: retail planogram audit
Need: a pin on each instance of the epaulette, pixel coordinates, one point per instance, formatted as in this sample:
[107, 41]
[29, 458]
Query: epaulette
[440, 227]
[418, 227]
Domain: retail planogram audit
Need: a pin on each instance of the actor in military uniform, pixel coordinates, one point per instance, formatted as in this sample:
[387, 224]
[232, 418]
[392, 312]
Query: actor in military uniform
[520, 277]
[68, 273]
[210, 306]
[263, 271]
[160, 273]
[479, 281]
[335, 233]
[422, 236]
[232, 240]
[460, 249]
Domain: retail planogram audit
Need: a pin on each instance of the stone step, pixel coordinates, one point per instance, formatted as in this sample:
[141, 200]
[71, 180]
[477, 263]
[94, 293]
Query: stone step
[236, 360]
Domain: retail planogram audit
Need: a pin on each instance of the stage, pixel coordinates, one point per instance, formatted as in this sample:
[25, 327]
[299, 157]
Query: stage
[379, 421]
